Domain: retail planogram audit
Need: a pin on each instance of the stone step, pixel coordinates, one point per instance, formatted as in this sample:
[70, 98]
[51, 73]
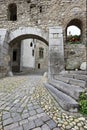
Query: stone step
[75, 76]
[80, 77]
[71, 90]
[78, 72]
[78, 83]
[72, 81]
[65, 101]
[74, 72]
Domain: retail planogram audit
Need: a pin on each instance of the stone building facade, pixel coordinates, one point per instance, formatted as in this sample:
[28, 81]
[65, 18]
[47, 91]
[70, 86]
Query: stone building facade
[39, 15]
[29, 56]
[41, 57]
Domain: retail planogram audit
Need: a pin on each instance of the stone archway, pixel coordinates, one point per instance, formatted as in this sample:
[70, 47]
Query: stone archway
[16, 37]
[28, 32]
[7, 38]
[54, 37]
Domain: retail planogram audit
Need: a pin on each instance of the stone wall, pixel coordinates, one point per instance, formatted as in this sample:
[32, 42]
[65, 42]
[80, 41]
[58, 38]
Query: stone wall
[4, 57]
[66, 10]
[75, 55]
[26, 16]
[27, 55]
[53, 13]
[43, 61]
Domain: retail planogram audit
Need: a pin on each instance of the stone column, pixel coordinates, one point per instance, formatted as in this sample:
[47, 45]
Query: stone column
[4, 56]
[56, 51]
[1, 58]
[21, 57]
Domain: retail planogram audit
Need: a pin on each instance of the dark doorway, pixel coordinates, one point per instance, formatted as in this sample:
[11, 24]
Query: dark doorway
[15, 57]
[39, 66]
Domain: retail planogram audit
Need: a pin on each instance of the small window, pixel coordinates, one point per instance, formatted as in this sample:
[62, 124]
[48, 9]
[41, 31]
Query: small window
[41, 52]
[12, 12]
[32, 6]
[36, 22]
[32, 52]
[14, 55]
[28, 1]
[39, 66]
[31, 44]
[40, 9]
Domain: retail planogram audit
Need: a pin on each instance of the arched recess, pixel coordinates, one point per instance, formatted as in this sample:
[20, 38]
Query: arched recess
[16, 38]
[74, 22]
[74, 49]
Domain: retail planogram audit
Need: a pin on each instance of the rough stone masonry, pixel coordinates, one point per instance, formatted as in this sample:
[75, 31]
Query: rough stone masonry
[39, 14]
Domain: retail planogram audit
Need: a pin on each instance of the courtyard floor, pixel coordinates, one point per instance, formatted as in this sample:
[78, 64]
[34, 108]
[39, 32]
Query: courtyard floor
[25, 104]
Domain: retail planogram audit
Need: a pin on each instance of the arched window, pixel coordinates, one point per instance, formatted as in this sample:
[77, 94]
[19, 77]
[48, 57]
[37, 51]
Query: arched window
[12, 12]
[74, 31]
[73, 34]
[31, 44]
[73, 51]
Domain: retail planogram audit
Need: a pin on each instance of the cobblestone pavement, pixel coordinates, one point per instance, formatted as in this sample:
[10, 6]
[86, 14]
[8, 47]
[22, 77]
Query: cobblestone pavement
[25, 104]
[18, 109]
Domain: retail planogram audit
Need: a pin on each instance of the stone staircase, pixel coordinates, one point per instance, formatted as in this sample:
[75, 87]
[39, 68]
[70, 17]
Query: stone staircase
[67, 87]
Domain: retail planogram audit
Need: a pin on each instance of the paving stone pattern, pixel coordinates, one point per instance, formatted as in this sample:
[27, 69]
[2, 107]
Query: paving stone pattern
[25, 104]
[18, 109]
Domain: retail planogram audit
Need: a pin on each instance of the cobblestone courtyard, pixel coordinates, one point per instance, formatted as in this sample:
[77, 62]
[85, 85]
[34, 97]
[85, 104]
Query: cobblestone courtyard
[25, 104]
